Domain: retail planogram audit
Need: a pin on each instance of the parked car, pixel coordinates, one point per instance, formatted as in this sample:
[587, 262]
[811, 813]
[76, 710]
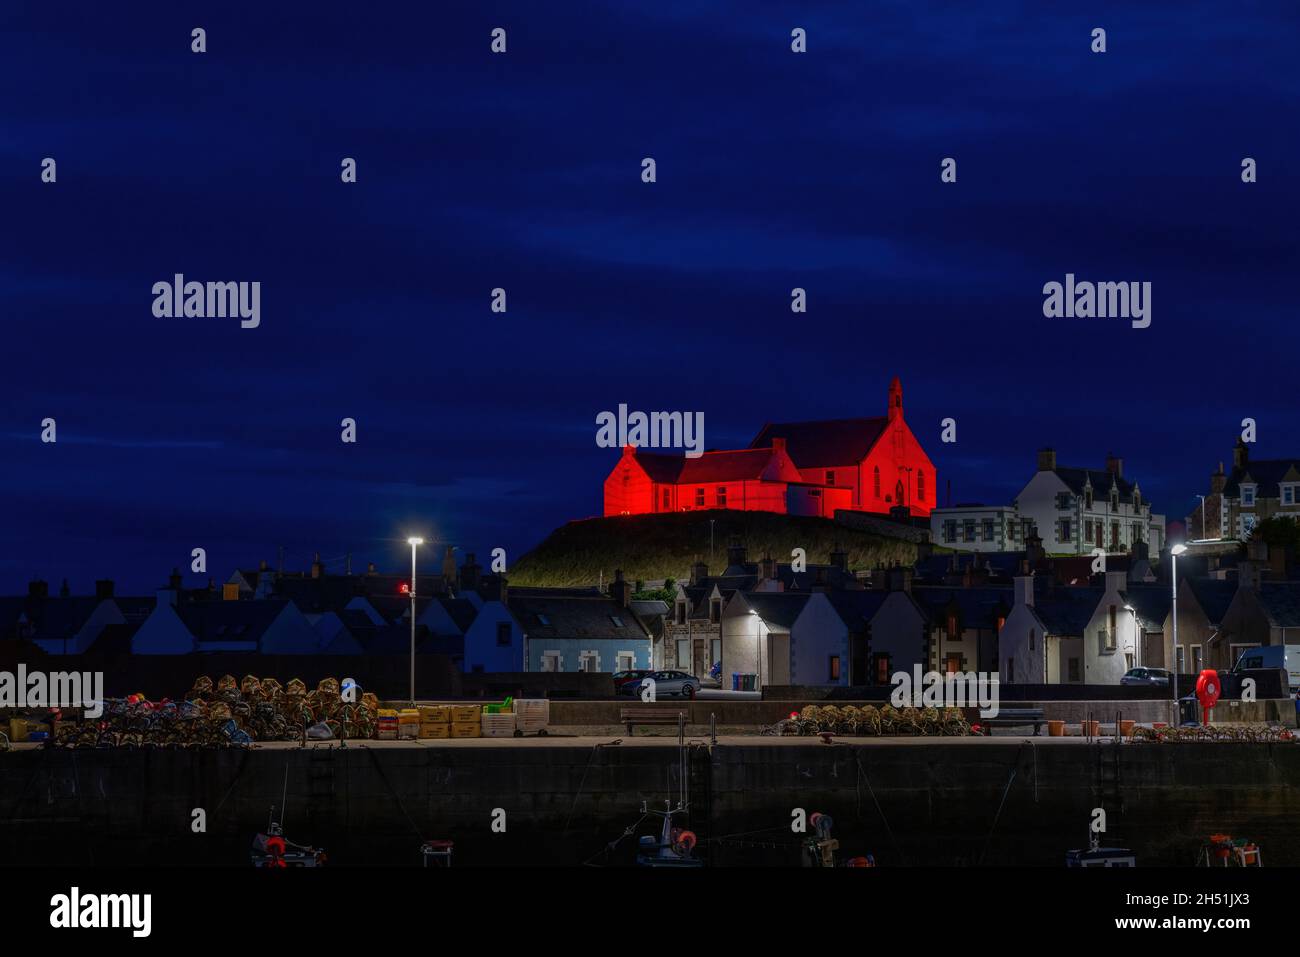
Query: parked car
[668, 683]
[629, 682]
[1146, 676]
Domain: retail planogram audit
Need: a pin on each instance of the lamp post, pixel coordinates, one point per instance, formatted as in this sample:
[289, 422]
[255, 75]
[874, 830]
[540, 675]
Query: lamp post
[414, 543]
[1173, 658]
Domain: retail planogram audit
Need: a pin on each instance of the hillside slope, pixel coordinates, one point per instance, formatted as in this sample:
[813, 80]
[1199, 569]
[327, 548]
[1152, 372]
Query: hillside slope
[652, 547]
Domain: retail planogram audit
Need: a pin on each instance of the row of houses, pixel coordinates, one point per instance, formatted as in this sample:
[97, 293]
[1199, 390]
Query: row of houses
[1026, 615]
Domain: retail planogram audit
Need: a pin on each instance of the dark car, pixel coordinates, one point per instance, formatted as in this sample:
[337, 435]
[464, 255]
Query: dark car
[629, 682]
[1158, 677]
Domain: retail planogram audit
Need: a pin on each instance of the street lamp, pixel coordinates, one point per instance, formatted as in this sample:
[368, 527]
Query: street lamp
[1173, 672]
[1137, 638]
[414, 543]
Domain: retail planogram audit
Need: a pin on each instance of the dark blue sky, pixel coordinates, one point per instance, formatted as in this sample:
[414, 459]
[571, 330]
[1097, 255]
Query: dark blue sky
[523, 171]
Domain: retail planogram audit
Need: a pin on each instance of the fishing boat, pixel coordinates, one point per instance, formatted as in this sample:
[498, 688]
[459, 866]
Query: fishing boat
[675, 846]
[1098, 856]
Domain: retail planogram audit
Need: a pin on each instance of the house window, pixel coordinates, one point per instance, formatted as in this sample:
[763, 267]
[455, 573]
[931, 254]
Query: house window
[1248, 496]
[988, 529]
[1065, 533]
[1137, 498]
[1197, 658]
[588, 661]
[699, 498]
[1012, 532]
[920, 486]
[503, 633]
[618, 622]
[551, 661]
[1114, 535]
[1087, 497]
[830, 477]
[626, 661]
[715, 610]
[952, 626]
[876, 480]
[721, 493]
[683, 652]
[1288, 494]
[681, 613]
[715, 651]
[882, 669]
[1114, 498]
[1087, 529]
[950, 530]
[1063, 501]
[835, 668]
[968, 528]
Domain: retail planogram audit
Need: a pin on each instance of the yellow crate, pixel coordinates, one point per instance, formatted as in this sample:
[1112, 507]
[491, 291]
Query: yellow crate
[18, 728]
[465, 730]
[435, 714]
[435, 731]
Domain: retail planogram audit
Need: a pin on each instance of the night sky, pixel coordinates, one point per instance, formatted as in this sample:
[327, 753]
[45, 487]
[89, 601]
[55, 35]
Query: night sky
[522, 171]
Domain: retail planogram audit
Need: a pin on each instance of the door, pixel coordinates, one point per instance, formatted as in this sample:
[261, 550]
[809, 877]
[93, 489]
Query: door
[700, 667]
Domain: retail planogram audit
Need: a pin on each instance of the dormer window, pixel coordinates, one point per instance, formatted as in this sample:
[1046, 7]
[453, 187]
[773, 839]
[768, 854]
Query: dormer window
[1248, 496]
[715, 610]
[1114, 498]
[1137, 498]
[618, 622]
[681, 613]
[1087, 497]
[1288, 494]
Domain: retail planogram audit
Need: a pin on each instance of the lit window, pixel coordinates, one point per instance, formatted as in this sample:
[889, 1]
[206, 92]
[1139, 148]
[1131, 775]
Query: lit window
[830, 478]
[699, 498]
[721, 492]
[835, 668]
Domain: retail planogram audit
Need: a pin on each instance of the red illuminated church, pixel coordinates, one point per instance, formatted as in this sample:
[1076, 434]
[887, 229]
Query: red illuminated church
[796, 468]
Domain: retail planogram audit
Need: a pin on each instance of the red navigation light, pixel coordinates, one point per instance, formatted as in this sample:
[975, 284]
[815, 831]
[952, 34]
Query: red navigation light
[404, 588]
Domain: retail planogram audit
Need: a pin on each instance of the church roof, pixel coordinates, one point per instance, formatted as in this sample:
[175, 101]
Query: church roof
[824, 444]
[725, 466]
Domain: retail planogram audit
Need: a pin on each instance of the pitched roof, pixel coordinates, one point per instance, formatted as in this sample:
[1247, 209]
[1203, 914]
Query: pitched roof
[1067, 611]
[230, 620]
[976, 606]
[777, 607]
[1281, 603]
[824, 444]
[1213, 595]
[1151, 603]
[720, 466]
[1266, 474]
[570, 616]
[461, 611]
[857, 608]
[1100, 479]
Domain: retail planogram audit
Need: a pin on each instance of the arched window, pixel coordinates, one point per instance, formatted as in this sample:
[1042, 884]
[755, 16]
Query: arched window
[877, 474]
[920, 486]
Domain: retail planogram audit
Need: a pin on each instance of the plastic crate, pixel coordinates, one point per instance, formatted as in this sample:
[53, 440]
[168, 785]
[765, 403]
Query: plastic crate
[498, 725]
[532, 714]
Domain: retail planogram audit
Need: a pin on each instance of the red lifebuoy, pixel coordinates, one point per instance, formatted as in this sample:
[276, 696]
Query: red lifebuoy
[1208, 689]
[685, 842]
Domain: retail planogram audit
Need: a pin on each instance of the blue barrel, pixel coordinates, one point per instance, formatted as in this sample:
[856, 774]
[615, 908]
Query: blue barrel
[735, 685]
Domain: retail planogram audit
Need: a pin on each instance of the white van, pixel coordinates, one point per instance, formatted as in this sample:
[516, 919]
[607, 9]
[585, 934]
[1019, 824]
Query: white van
[1273, 656]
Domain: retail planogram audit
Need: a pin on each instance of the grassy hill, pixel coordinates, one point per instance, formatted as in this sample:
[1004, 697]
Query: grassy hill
[651, 547]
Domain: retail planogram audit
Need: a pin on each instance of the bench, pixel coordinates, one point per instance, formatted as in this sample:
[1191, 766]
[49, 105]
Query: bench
[634, 716]
[1015, 717]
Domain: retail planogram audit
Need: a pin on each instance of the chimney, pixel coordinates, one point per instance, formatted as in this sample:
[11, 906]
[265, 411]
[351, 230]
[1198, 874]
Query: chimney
[900, 578]
[769, 567]
[620, 590]
[819, 580]
[38, 589]
[1115, 581]
[469, 574]
[103, 589]
[735, 553]
[879, 579]
[449, 564]
[1248, 575]
[1047, 460]
[174, 580]
[316, 567]
[699, 572]
[1240, 455]
[370, 568]
[1024, 590]
[64, 590]
[495, 588]
[840, 558]
[1218, 481]
[262, 565]
[778, 445]
[1115, 466]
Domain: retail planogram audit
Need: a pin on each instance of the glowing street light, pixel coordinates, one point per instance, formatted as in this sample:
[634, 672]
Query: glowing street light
[414, 543]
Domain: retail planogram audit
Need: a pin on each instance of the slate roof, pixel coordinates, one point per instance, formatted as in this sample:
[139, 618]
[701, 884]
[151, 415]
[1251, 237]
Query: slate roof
[1101, 480]
[1151, 603]
[776, 607]
[58, 618]
[1266, 474]
[1281, 603]
[1067, 612]
[935, 568]
[857, 608]
[461, 611]
[1213, 595]
[567, 616]
[230, 620]
[825, 444]
[978, 607]
[720, 466]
